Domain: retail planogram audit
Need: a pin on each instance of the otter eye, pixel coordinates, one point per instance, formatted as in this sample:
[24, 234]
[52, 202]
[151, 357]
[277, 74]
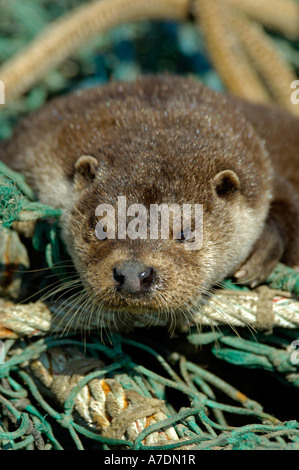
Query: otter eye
[186, 235]
[183, 236]
[100, 232]
[90, 231]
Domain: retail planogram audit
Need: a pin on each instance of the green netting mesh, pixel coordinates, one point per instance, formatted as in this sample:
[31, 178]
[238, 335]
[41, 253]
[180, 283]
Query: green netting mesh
[15, 200]
[201, 424]
[10, 204]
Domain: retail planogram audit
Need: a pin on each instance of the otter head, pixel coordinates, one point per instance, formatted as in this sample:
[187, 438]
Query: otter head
[222, 170]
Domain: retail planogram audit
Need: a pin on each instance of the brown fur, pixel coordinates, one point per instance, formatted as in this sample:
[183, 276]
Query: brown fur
[163, 140]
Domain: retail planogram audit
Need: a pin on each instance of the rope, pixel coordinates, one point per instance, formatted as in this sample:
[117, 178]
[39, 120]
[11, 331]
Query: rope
[228, 307]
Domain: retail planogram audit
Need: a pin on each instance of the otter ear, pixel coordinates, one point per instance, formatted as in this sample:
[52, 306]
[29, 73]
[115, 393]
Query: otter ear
[226, 183]
[86, 166]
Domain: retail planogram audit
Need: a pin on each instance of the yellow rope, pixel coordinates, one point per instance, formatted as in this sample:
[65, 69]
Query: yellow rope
[281, 15]
[227, 53]
[240, 50]
[65, 35]
[274, 70]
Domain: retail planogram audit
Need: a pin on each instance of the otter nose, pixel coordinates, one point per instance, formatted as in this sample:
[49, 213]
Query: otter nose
[133, 277]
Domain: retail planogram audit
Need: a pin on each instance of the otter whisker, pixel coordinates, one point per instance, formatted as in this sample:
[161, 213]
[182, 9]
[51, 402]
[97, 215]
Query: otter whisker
[231, 310]
[60, 288]
[66, 307]
[46, 288]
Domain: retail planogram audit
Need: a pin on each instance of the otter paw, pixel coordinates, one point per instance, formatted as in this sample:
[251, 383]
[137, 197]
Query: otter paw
[266, 254]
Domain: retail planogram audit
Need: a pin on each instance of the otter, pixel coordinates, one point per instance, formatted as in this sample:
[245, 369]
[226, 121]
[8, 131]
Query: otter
[164, 140]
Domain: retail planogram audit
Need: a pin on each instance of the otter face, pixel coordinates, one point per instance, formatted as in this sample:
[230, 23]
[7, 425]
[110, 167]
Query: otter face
[158, 279]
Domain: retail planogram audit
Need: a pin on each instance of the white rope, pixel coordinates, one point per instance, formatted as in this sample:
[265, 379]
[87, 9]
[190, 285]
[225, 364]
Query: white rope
[240, 309]
[235, 308]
